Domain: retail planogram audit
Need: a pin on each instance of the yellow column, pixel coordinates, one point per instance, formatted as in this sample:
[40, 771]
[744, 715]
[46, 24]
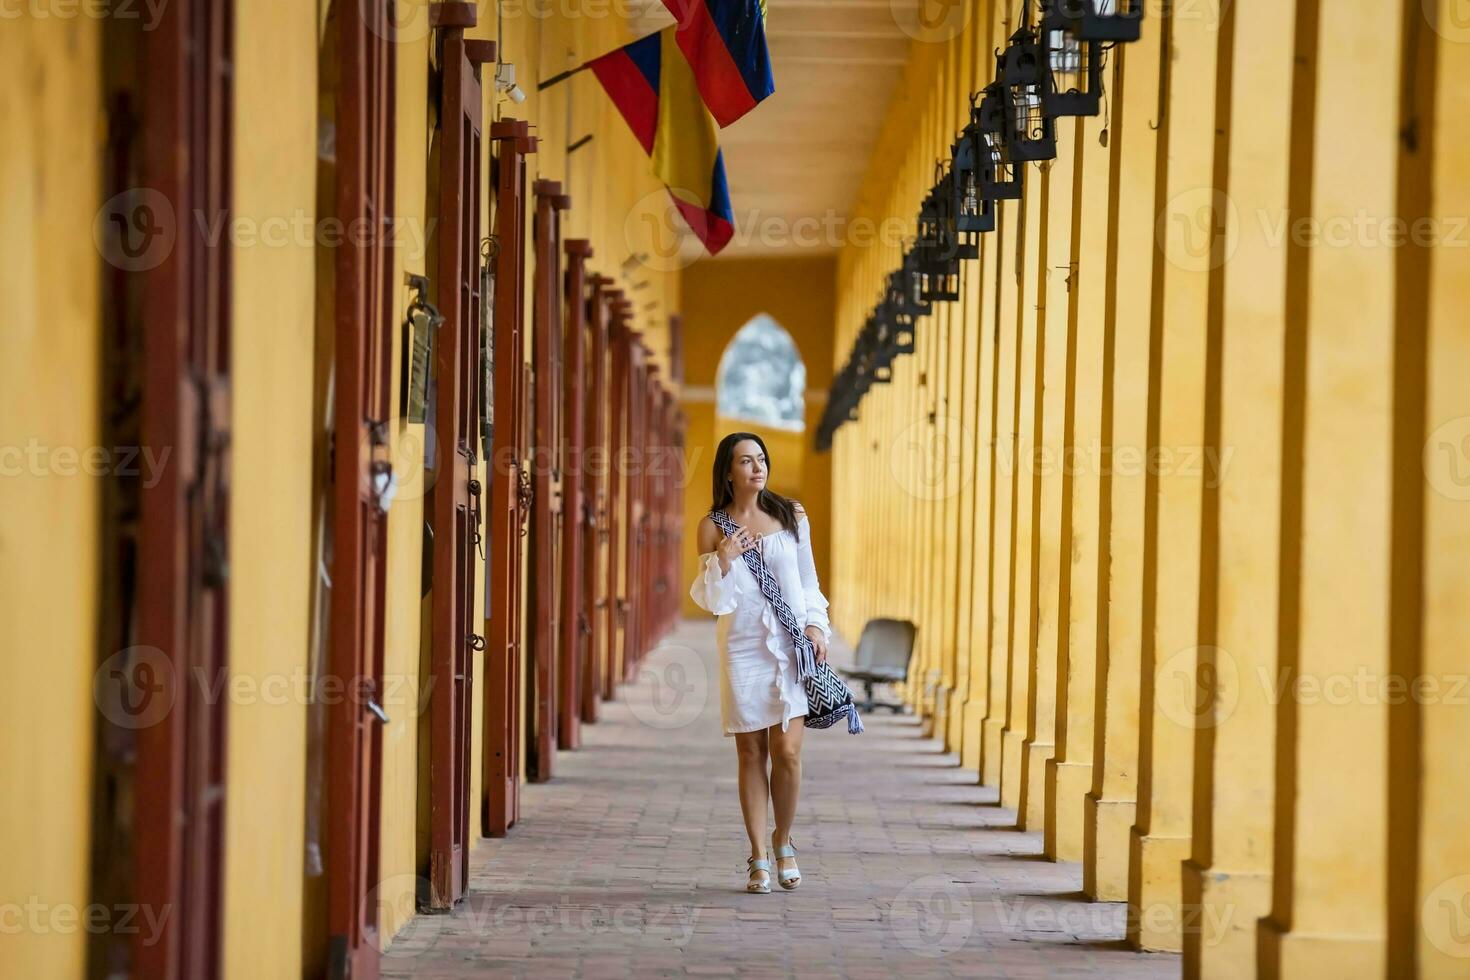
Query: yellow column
[1329, 904]
[1028, 323]
[1053, 521]
[1111, 803]
[967, 366]
[1071, 772]
[1008, 221]
[983, 292]
[1442, 893]
[1168, 696]
[1227, 882]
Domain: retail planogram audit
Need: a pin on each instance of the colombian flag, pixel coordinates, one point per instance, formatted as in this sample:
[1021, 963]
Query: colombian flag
[653, 87]
[725, 42]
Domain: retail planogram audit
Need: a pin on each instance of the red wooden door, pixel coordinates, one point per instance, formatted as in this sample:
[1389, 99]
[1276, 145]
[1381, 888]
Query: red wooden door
[617, 412]
[635, 400]
[576, 621]
[183, 549]
[361, 479]
[510, 486]
[598, 466]
[546, 354]
[456, 504]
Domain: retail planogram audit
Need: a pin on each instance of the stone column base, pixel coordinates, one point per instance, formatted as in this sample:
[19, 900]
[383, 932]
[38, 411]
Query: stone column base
[990, 751]
[1290, 955]
[970, 744]
[1155, 915]
[1221, 911]
[1038, 755]
[1067, 784]
[954, 734]
[1012, 742]
[1108, 828]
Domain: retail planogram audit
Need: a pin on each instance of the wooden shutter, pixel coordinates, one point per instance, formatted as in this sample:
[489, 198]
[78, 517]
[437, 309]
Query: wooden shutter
[510, 489]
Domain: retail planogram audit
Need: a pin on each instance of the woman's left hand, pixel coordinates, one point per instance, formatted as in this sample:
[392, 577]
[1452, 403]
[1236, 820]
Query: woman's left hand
[819, 642]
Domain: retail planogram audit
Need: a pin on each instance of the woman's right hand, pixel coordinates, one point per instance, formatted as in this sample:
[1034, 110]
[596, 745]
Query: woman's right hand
[736, 545]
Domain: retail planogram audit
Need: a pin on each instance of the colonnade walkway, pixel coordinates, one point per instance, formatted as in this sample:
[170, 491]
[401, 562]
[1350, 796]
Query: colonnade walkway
[631, 863]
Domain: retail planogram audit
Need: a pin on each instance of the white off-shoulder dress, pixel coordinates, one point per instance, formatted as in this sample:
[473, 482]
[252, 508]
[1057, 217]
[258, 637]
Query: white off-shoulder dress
[758, 682]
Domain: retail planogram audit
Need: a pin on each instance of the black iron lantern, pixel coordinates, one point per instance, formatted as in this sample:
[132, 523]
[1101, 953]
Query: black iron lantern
[1103, 20]
[1000, 178]
[1030, 132]
[914, 302]
[1073, 66]
[974, 214]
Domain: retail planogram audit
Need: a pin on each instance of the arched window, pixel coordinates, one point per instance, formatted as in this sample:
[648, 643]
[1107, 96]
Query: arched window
[762, 377]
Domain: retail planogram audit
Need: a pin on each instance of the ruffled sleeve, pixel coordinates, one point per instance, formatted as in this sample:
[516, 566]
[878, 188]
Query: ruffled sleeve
[816, 603]
[713, 590]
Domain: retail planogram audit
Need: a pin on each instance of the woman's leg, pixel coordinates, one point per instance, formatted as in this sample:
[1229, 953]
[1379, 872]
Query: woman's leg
[754, 788]
[786, 780]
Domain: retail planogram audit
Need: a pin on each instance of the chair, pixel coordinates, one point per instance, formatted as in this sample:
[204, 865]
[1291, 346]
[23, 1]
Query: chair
[882, 657]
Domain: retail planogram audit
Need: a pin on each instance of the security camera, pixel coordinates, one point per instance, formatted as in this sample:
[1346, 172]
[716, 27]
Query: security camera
[505, 81]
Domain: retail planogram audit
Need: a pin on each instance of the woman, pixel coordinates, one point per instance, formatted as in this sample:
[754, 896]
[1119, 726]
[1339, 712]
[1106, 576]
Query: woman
[762, 702]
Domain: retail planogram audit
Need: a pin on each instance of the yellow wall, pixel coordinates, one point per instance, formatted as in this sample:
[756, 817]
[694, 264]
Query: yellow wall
[719, 298]
[50, 356]
[271, 531]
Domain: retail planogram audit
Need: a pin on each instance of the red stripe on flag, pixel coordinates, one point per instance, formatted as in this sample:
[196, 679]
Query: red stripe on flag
[715, 71]
[711, 229]
[630, 92]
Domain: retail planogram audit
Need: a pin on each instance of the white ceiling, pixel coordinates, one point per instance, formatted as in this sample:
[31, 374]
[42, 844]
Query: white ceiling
[803, 152]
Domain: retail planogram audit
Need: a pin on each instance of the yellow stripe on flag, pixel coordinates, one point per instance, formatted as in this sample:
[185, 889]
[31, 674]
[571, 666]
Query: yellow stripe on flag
[685, 144]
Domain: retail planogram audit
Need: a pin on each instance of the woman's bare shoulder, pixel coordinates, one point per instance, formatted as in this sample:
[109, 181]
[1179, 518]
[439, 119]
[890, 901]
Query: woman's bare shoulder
[707, 534]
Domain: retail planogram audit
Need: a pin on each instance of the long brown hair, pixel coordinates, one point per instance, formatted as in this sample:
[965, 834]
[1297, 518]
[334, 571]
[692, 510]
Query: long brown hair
[766, 499]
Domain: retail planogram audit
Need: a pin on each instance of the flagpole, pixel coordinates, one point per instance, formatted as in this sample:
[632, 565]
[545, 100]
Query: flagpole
[558, 78]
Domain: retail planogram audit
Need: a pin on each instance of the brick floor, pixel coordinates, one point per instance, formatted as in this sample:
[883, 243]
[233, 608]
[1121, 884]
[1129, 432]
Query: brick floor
[631, 862]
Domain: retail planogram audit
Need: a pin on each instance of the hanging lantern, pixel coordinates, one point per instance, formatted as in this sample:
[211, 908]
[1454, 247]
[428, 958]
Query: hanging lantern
[1073, 66]
[1030, 132]
[1000, 178]
[1103, 20]
[911, 286]
[974, 214]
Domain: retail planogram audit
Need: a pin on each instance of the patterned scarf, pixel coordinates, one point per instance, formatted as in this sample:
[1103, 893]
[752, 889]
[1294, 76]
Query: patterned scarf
[827, 696]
